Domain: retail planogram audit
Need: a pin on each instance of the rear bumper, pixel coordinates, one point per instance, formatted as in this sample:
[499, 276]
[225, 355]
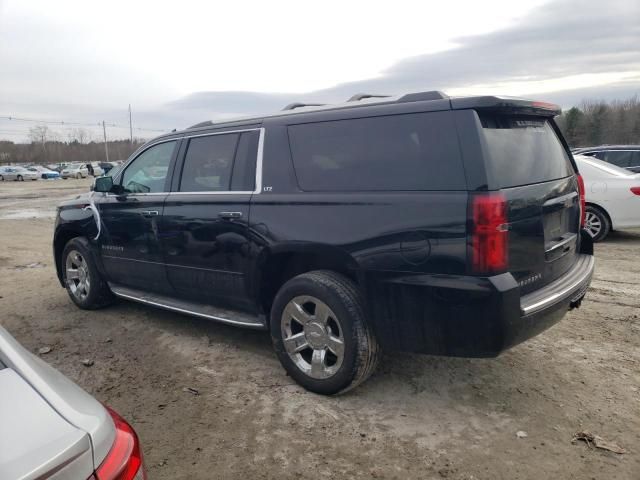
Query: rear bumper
[469, 316]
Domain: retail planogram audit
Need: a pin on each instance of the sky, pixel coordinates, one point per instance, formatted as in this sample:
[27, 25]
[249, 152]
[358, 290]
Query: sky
[179, 63]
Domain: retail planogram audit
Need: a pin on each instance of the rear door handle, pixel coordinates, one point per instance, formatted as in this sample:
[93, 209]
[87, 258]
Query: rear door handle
[230, 215]
[150, 213]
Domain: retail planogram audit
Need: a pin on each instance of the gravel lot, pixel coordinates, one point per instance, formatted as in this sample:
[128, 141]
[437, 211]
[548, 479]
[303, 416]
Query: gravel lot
[417, 417]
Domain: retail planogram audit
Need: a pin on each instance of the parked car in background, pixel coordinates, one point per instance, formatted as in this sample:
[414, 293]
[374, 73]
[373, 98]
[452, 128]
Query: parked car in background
[94, 169]
[19, 174]
[624, 156]
[44, 172]
[612, 197]
[51, 428]
[108, 166]
[423, 223]
[75, 170]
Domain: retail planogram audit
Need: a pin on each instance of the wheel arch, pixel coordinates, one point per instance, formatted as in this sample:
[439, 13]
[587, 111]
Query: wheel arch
[60, 239]
[276, 265]
[603, 210]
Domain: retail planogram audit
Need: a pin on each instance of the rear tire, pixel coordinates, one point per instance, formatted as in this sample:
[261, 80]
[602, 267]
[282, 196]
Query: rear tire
[20, 179]
[84, 284]
[320, 333]
[1, 178]
[597, 223]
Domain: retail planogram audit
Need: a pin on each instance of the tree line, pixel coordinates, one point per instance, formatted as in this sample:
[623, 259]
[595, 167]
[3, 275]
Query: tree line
[47, 147]
[599, 122]
[591, 123]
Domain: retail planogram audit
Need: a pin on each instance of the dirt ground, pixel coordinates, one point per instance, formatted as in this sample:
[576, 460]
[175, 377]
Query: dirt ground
[417, 417]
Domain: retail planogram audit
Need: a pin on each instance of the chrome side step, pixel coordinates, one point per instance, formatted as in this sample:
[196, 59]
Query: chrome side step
[232, 317]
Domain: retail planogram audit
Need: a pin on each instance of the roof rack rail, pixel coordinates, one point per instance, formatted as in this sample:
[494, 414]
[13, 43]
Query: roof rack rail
[294, 105]
[422, 96]
[360, 96]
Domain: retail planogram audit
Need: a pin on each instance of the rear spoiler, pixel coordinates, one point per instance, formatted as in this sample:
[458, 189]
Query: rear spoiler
[510, 105]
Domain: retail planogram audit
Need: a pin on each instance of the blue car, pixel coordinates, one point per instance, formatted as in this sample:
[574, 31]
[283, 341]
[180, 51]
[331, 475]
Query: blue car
[45, 172]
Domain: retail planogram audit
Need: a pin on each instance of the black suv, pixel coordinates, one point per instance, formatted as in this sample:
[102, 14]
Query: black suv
[421, 223]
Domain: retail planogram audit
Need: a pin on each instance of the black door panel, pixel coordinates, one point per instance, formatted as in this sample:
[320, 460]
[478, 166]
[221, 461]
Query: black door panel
[129, 241]
[205, 245]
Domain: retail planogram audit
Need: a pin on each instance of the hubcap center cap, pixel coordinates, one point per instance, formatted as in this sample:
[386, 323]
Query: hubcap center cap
[316, 335]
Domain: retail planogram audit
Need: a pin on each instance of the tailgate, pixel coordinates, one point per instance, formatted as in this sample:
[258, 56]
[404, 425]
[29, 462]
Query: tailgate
[527, 162]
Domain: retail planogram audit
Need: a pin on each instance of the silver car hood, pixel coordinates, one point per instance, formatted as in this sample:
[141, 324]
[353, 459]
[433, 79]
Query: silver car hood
[83, 414]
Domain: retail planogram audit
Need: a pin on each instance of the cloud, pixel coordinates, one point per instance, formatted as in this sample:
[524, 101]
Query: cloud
[563, 51]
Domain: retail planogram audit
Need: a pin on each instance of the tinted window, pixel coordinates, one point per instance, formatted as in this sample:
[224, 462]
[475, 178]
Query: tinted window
[620, 158]
[244, 168]
[148, 172]
[523, 150]
[399, 152]
[208, 163]
[635, 160]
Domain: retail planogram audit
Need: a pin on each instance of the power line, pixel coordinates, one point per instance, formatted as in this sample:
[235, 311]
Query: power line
[78, 124]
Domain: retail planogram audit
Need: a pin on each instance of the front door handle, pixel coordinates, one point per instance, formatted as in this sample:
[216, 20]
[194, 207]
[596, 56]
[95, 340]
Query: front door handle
[230, 215]
[150, 213]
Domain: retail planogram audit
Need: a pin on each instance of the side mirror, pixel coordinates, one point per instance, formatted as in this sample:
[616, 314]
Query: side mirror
[103, 184]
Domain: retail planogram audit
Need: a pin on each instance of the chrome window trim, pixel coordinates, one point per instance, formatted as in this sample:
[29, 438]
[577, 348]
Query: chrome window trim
[258, 178]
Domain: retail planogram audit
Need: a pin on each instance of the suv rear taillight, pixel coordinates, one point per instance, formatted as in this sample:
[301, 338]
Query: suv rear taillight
[583, 202]
[635, 190]
[489, 233]
[124, 460]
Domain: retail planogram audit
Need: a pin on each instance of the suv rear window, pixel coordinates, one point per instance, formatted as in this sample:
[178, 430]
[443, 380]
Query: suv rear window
[397, 152]
[523, 150]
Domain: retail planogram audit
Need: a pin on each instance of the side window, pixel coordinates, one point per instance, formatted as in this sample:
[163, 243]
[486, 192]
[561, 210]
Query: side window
[635, 160]
[620, 158]
[148, 172]
[208, 163]
[244, 168]
[416, 151]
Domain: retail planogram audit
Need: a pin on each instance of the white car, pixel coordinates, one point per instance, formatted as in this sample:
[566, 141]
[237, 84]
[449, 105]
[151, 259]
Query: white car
[19, 174]
[74, 171]
[612, 195]
[97, 169]
[53, 429]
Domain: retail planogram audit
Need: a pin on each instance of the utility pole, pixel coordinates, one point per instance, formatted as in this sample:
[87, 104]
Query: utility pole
[130, 126]
[106, 147]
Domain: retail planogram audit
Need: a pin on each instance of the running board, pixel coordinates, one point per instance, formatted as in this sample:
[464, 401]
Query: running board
[232, 317]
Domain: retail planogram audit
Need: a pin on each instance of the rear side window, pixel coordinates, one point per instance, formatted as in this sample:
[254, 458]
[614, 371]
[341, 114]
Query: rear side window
[523, 150]
[208, 163]
[244, 168]
[620, 158]
[399, 152]
[220, 163]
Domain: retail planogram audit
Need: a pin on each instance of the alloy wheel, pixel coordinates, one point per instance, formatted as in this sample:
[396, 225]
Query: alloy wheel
[592, 224]
[77, 276]
[312, 336]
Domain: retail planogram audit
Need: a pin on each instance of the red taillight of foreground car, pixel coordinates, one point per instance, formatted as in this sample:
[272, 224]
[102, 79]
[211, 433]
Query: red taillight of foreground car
[124, 460]
[489, 233]
[635, 190]
[583, 201]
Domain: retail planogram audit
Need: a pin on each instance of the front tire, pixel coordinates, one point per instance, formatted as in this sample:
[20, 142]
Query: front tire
[320, 333]
[83, 281]
[20, 179]
[597, 223]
